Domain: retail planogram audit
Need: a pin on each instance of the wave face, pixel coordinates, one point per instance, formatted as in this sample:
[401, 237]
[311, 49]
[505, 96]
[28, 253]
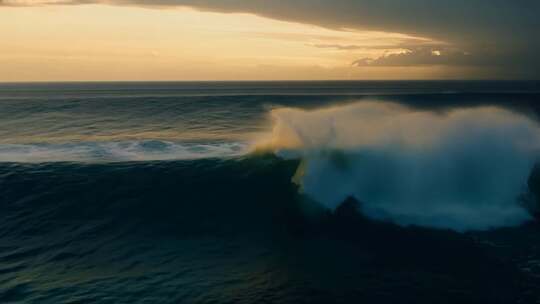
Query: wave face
[460, 169]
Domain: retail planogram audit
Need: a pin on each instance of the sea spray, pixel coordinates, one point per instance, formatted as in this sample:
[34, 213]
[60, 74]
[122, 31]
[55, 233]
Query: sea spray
[460, 169]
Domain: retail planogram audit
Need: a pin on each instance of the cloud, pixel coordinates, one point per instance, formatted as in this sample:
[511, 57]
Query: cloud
[340, 47]
[404, 44]
[503, 31]
[425, 56]
[457, 19]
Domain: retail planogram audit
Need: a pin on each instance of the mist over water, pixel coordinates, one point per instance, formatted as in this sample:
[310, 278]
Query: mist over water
[461, 169]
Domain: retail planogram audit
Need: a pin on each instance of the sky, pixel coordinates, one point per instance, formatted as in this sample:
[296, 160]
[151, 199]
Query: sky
[138, 40]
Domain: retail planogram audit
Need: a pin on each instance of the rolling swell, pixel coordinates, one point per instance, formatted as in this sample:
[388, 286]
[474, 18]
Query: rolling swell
[113, 232]
[217, 230]
[216, 195]
[210, 195]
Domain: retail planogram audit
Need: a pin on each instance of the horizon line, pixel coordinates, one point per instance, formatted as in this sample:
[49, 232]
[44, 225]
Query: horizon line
[267, 81]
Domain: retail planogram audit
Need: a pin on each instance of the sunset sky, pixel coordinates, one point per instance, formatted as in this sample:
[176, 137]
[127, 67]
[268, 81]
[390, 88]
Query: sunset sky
[90, 40]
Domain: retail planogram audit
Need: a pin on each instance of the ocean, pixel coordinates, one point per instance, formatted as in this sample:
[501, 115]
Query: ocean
[270, 192]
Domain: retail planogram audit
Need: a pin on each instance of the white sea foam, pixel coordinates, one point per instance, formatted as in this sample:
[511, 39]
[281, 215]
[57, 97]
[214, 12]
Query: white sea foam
[120, 151]
[462, 169]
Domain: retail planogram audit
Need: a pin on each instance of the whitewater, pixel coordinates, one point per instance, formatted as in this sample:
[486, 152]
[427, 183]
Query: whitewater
[461, 169]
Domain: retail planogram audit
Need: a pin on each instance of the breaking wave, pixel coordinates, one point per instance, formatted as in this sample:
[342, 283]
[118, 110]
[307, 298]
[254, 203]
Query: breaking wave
[461, 169]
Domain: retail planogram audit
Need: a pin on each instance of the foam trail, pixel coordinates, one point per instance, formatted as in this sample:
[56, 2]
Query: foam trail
[462, 169]
[118, 151]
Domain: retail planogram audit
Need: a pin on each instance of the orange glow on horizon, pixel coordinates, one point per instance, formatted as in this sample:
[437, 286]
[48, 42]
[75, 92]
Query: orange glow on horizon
[101, 42]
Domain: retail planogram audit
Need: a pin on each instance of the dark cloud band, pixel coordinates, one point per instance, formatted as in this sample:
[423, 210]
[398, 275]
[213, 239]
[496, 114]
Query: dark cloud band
[499, 32]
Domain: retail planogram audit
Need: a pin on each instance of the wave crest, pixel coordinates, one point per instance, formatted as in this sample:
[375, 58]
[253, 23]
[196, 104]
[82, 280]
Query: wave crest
[461, 169]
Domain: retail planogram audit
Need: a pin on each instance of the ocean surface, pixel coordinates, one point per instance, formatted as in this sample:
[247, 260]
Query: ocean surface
[270, 192]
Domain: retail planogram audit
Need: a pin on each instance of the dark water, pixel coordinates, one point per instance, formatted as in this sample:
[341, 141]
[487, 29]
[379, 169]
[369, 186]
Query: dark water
[148, 193]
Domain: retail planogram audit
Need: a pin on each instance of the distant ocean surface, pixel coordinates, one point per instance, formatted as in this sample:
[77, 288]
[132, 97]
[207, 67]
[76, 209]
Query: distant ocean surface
[270, 192]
